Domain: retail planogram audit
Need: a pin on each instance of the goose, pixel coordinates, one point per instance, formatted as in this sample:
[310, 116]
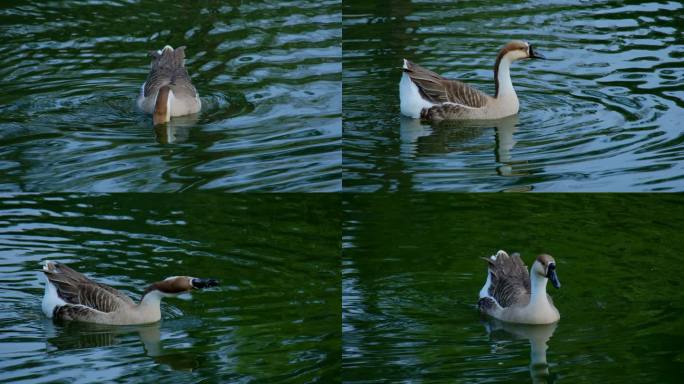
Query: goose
[168, 91]
[427, 95]
[70, 295]
[513, 295]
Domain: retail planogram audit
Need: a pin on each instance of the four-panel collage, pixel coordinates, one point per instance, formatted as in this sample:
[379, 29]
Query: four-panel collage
[343, 191]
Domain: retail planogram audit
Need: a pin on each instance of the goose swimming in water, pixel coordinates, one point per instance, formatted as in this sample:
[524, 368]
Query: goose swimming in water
[427, 95]
[512, 294]
[69, 295]
[168, 91]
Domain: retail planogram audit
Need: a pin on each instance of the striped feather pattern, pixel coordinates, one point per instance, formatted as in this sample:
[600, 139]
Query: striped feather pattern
[510, 280]
[76, 312]
[444, 112]
[75, 288]
[438, 89]
[168, 68]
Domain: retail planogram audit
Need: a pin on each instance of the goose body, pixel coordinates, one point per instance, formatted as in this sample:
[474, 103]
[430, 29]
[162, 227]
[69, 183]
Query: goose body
[168, 90]
[70, 295]
[513, 295]
[425, 94]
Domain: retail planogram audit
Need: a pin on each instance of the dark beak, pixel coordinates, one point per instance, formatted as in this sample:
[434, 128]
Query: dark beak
[204, 283]
[535, 55]
[551, 275]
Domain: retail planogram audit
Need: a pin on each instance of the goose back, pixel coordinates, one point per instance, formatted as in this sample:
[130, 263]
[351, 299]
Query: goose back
[82, 295]
[510, 280]
[168, 68]
[439, 90]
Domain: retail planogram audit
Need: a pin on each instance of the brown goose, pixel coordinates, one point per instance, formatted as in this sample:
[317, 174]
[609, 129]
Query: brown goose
[69, 295]
[513, 295]
[427, 95]
[168, 90]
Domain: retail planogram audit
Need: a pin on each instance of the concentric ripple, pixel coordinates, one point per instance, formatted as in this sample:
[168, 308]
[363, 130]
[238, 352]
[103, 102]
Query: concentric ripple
[603, 114]
[268, 74]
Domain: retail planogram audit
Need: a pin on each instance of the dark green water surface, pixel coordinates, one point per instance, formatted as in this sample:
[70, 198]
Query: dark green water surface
[603, 114]
[274, 318]
[268, 74]
[412, 273]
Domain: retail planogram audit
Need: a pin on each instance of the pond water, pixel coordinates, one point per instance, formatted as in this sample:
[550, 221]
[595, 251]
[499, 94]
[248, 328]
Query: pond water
[604, 114]
[268, 74]
[412, 273]
[274, 318]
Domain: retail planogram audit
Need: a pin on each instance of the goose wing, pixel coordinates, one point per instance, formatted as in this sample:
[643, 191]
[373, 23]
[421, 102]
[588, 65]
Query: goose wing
[78, 312]
[79, 291]
[168, 68]
[438, 89]
[510, 280]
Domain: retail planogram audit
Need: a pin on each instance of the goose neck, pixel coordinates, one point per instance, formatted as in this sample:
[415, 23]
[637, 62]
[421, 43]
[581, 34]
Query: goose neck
[538, 288]
[502, 77]
[150, 304]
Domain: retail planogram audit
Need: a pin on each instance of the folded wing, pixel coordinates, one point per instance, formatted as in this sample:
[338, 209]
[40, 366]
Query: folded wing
[438, 89]
[82, 293]
[510, 280]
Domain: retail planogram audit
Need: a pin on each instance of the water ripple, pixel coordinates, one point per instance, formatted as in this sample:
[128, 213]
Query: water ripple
[602, 115]
[279, 295]
[71, 75]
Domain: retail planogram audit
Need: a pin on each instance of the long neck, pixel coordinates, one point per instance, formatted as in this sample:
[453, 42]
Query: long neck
[150, 304]
[502, 78]
[538, 287]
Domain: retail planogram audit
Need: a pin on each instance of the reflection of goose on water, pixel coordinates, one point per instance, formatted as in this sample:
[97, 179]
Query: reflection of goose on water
[538, 336]
[427, 95]
[175, 131]
[69, 295]
[505, 141]
[72, 335]
[449, 136]
[168, 90]
[511, 294]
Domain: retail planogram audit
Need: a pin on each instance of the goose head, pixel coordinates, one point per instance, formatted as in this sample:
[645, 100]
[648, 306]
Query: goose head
[519, 50]
[513, 51]
[545, 267]
[175, 285]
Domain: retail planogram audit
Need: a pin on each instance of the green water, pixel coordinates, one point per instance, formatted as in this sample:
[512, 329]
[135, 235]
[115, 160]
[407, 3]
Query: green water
[274, 318]
[268, 74]
[354, 287]
[412, 272]
[603, 114]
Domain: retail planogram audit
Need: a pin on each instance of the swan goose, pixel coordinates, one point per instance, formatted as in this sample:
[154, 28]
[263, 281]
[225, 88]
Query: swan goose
[168, 90]
[513, 295]
[425, 94]
[70, 295]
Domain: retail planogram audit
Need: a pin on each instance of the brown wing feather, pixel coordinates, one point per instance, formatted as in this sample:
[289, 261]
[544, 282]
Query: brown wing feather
[168, 68]
[76, 312]
[438, 89]
[75, 288]
[510, 283]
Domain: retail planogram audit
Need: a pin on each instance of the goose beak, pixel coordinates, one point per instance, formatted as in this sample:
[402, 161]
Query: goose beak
[203, 283]
[551, 275]
[536, 55]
